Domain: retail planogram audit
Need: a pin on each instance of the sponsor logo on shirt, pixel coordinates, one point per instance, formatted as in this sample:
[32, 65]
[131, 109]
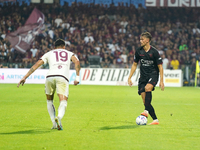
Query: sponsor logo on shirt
[146, 62]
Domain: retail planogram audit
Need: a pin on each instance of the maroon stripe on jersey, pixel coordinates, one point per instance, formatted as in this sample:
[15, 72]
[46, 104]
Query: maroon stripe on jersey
[57, 76]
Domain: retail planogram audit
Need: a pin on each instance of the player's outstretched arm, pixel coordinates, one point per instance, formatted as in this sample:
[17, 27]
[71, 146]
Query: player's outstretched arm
[33, 68]
[133, 68]
[77, 68]
[160, 67]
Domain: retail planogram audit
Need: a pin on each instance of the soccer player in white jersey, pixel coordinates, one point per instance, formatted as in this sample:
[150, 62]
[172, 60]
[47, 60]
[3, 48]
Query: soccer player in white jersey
[57, 78]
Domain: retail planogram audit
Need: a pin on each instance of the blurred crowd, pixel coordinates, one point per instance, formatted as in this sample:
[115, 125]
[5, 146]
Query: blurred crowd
[109, 32]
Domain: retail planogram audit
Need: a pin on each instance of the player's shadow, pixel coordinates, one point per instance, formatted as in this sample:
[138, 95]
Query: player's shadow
[26, 132]
[119, 127]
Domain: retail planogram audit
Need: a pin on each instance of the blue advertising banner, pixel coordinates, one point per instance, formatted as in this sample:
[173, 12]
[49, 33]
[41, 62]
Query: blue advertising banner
[137, 2]
[104, 2]
[85, 1]
[121, 1]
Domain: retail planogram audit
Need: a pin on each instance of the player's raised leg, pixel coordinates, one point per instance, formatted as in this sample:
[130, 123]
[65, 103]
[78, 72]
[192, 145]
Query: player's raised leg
[61, 110]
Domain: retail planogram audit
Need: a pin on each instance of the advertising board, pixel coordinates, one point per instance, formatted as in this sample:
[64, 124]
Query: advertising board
[91, 76]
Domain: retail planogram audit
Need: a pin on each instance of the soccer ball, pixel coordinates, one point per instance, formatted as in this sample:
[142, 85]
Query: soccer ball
[141, 120]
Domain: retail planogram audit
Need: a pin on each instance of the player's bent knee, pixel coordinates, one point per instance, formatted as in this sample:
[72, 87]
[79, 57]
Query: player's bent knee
[148, 88]
[62, 97]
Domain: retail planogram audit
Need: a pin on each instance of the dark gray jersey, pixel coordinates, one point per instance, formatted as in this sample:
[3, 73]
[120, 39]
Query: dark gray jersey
[149, 61]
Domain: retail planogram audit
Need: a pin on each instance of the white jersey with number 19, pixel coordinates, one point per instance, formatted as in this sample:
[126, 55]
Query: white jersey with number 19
[59, 61]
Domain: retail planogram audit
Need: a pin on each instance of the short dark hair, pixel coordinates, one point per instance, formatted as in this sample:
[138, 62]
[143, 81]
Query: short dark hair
[59, 43]
[147, 35]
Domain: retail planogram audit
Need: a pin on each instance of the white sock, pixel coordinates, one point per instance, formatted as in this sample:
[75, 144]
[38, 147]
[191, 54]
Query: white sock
[146, 111]
[156, 120]
[51, 110]
[62, 108]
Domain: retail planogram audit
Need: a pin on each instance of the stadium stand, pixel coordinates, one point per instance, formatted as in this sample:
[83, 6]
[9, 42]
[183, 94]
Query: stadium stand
[111, 33]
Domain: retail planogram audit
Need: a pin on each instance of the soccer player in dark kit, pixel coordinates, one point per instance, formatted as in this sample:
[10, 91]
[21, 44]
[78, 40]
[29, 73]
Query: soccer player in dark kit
[151, 65]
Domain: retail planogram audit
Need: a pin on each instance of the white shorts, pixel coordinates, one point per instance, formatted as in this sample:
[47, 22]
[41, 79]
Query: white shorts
[59, 84]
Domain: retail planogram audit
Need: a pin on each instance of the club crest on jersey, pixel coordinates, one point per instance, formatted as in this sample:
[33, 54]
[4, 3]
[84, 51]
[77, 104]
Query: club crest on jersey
[60, 66]
[150, 55]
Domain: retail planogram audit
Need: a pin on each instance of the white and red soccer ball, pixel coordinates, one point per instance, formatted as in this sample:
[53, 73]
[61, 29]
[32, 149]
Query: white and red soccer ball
[141, 120]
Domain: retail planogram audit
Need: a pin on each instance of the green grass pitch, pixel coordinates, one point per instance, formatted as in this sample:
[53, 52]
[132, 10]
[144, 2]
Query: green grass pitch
[99, 118]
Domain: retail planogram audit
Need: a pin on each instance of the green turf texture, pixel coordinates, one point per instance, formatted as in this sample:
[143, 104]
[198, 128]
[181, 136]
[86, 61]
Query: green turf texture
[99, 118]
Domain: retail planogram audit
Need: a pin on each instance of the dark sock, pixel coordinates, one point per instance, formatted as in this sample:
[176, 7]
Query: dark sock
[148, 105]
